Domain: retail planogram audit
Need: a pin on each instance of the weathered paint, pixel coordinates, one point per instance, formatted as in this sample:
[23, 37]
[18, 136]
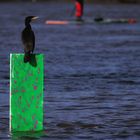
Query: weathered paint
[26, 93]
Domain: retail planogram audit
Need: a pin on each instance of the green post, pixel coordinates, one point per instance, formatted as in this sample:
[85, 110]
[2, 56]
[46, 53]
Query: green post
[26, 93]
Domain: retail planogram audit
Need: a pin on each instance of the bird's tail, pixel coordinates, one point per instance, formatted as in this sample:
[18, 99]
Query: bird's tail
[27, 57]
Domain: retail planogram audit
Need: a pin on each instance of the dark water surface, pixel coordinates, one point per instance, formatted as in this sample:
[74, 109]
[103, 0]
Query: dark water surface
[92, 72]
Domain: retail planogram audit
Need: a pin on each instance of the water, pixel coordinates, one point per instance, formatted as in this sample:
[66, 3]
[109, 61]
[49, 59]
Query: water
[92, 72]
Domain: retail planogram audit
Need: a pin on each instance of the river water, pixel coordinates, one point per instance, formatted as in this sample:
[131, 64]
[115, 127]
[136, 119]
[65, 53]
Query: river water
[92, 71]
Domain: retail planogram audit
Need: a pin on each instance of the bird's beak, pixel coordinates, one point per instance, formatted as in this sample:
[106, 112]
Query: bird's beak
[35, 18]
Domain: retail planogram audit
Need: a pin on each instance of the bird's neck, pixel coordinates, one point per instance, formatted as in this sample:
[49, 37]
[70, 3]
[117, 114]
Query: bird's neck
[28, 25]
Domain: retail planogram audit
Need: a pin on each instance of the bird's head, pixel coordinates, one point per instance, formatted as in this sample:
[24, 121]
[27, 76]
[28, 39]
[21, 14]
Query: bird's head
[29, 19]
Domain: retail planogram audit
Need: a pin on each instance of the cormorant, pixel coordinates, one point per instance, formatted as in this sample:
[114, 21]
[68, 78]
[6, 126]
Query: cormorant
[28, 38]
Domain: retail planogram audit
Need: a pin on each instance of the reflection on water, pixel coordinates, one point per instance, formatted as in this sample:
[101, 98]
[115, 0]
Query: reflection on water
[27, 135]
[92, 72]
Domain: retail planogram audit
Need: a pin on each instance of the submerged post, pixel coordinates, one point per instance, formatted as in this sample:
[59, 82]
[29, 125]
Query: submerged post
[26, 93]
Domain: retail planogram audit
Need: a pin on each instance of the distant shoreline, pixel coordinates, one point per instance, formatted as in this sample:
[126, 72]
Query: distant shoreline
[86, 1]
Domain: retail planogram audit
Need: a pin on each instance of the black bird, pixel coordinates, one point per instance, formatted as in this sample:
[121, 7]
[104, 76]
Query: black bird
[28, 38]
